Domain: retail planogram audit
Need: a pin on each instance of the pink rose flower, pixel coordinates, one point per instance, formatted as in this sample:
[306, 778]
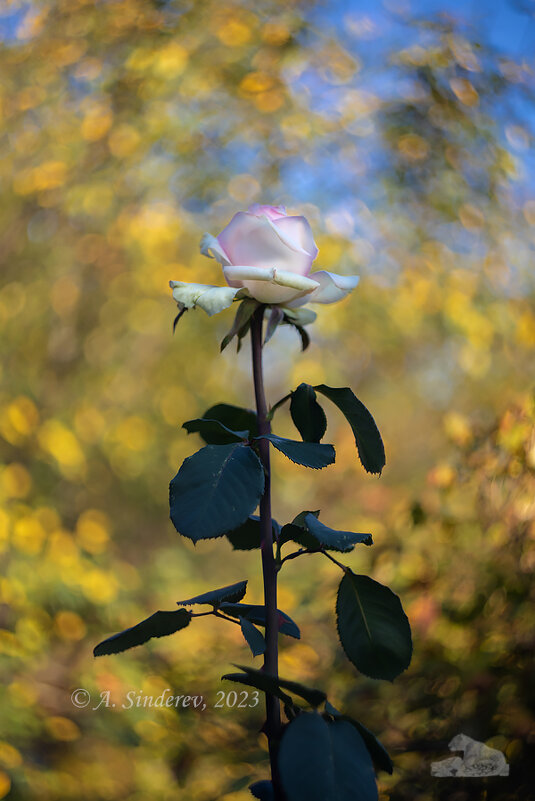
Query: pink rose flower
[270, 254]
[266, 255]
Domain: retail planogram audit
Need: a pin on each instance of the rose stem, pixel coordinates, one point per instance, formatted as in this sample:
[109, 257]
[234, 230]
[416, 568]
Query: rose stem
[271, 658]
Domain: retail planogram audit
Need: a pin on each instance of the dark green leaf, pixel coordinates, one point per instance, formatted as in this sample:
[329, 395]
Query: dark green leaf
[307, 531]
[160, 624]
[262, 790]
[325, 761]
[242, 333]
[257, 614]
[307, 415]
[305, 760]
[233, 417]
[255, 640]
[309, 694]
[292, 533]
[275, 317]
[241, 321]
[277, 405]
[375, 748]
[233, 593]
[333, 540]
[247, 536]
[373, 628]
[367, 437]
[215, 490]
[262, 681]
[214, 431]
[297, 531]
[353, 769]
[308, 454]
[300, 519]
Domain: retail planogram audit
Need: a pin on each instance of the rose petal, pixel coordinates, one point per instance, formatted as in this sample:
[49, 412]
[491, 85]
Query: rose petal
[271, 212]
[269, 284]
[212, 299]
[256, 241]
[210, 247]
[298, 231]
[332, 287]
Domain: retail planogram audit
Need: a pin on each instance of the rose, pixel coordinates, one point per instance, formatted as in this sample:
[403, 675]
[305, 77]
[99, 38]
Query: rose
[267, 255]
[271, 255]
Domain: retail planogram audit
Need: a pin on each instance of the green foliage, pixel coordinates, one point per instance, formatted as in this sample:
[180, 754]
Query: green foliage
[376, 749]
[214, 431]
[325, 761]
[232, 417]
[367, 437]
[256, 614]
[255, 639]
[354, 777]
[373, 628]
[160, 624]
[308, 454]
[307, 415]
[261, 681]
[242, 322]
[262, 790]
[273, 684]
[308, 531]
[233, 593]
[275, 318]
[215, 490]
[247, 536]
[334, 540]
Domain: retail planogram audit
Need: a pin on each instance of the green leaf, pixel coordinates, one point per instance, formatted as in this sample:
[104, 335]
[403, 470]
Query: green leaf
[277, 405]
[325, 761]
[247, 536]
[274, 319]
[261, 681]
[375, 748]
[262, 790]
[232, 417]
[241, 321]
[293, 533]
[307, 531]
[305, 760]
[300, 519]
[307, 415]
[297, 531]
[254, 638]
[308, 454]
[333, 540]
[367, 437]
[215, 490]
[233, 593]
[353, 768]
[160, 624]
[311, 695]
[372, 626]
[214, 431]
[257, 614]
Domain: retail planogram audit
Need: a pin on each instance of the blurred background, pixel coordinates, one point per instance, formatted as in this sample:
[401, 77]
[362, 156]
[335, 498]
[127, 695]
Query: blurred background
[404, 131]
